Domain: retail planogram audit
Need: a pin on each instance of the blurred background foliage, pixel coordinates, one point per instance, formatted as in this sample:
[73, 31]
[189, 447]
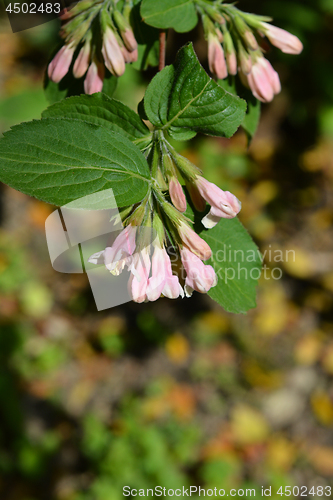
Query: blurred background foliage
[178, 393]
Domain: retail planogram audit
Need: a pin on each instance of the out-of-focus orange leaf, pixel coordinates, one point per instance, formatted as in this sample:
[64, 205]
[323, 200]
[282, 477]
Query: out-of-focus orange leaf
[258, 377]
[281, 453]
[307, 349]
[321, 457]
[248, 425]
[177, 348]
[327, 360]
[322, 407]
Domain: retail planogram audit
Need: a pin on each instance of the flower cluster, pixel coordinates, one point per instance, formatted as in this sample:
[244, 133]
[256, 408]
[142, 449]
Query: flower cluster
[100, 37]
[170, 262]
[234, 47]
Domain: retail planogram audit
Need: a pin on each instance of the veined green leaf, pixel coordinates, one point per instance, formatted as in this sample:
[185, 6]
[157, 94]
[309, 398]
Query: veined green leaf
[237, 263]
[100, 110]
[180, 15]
[236, 259]
[183, 97]
[59, 160]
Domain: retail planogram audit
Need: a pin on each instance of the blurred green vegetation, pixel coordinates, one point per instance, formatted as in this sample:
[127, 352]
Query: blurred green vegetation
[178, 393]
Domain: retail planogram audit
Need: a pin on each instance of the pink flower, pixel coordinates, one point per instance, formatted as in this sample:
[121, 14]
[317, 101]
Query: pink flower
[162, 281]
[82, 61]
[263, 80]
[199, 277]
[61, 62]
[223, 203]
[114, 60]
[193, 241]
[94, 78]
[282, 39]
[216, 59]
[177, 194]
[119, 254]
[140, 269]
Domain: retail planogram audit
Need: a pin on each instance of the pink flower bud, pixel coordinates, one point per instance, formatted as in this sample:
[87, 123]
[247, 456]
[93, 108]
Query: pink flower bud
[231, 63]
[198, 201]
[199, 277]
[82, 61]
[94, 78]
[216, 59]
[193, 241]
[263, 80]
[61, 62]
[129, 57]
[250, 40]
[129, 40]
[282, 39]
[224, 204]
[177, 194]
[114, 60]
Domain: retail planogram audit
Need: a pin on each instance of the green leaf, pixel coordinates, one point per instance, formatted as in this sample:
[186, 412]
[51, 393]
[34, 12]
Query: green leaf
[70, 86]
[183, 97]
[237, 263]
[180, 15]
[60, 160]
[100, 110]
[235, 258]
[252, 116]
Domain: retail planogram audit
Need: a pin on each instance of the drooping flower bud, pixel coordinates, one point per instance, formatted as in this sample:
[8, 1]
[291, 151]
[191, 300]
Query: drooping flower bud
[125, 31]
[216, 59]
[193, 241]
[246, 33]
[230, 53]
[61, 62]
[94, 78]
[82, 61]
[282, 39]
[177, 194]
[162, 281]
[263, 80]
[114, 60]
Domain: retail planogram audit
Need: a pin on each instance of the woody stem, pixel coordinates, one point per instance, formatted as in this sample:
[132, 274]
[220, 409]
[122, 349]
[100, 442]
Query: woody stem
[162, 39]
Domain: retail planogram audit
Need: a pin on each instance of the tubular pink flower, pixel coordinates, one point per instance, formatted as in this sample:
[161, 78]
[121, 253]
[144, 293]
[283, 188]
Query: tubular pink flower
[119, 254]
[216, 59]
[94, 78]
[193, 241]
[223, 203]
[61, 62]
[199, 277]
[138, 282]
[114, 59]
[177, 194]
[82, 61]
[282, 39]
[162, 281]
